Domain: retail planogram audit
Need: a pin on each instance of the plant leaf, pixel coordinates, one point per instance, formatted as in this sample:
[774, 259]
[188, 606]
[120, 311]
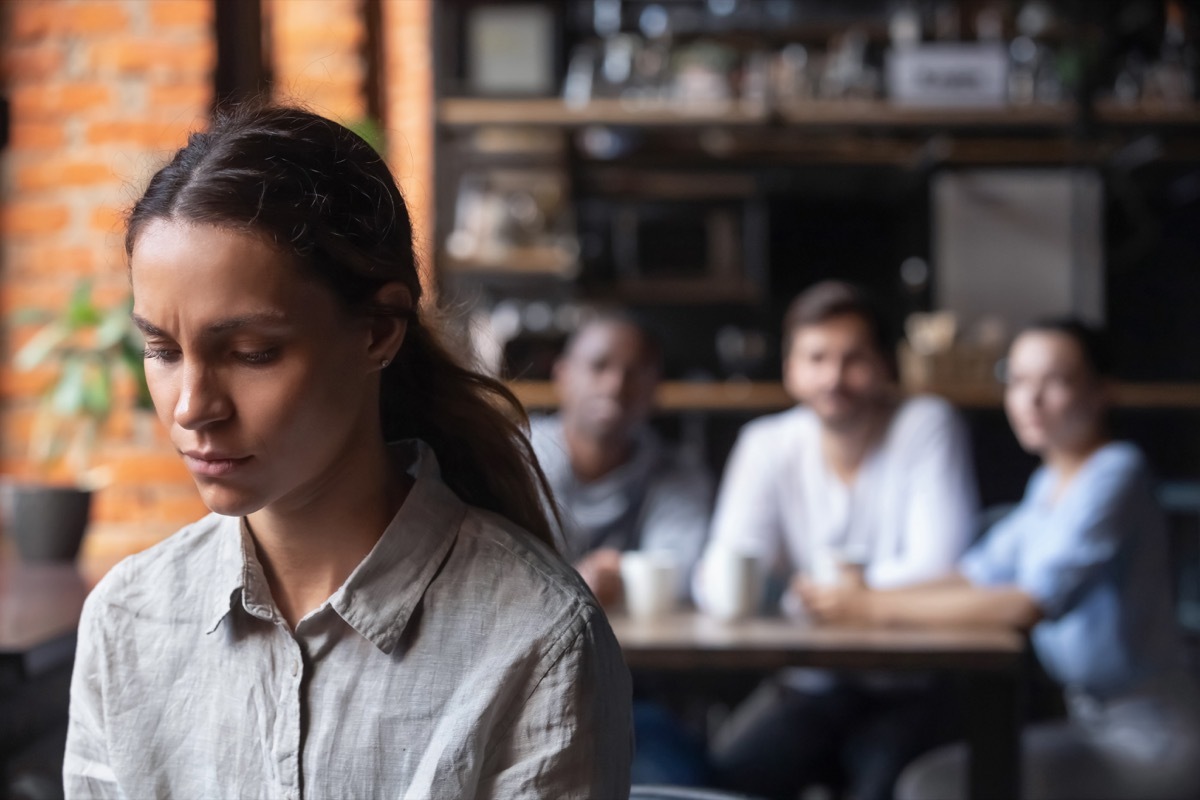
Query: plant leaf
[81, 311]
[41, 346]
[97, 391]
[113, 328]
[31, 316]
[67, 398]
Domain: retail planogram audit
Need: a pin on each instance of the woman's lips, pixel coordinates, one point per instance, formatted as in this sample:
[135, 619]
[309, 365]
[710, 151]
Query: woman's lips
[213, 466]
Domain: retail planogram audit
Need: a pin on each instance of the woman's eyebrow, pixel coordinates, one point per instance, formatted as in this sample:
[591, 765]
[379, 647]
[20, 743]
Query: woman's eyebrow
[245, 321]
[147, 327]
[219, 327]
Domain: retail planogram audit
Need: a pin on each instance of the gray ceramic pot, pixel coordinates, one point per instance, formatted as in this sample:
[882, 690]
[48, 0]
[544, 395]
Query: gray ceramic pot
[46, 523]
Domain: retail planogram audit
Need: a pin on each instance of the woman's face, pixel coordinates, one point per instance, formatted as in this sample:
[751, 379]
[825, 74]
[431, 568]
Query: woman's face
[1054, 400]
[266, 386]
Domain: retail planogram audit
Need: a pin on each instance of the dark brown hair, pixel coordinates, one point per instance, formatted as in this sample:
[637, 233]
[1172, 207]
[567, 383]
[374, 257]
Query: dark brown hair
[326, 198]
[824, 301]
[594, 315]
[1093, 342]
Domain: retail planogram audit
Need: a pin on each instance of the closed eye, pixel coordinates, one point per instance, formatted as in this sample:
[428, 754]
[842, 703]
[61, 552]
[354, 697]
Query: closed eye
[160, 354]
[258, 357]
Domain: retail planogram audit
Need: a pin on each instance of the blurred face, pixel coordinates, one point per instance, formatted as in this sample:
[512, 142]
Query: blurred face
[834, 368]
[261, 379]
[1054, 401]
[606, 381]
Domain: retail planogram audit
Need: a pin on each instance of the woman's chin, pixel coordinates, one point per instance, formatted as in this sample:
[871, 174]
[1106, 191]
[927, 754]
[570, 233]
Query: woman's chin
[228, 503]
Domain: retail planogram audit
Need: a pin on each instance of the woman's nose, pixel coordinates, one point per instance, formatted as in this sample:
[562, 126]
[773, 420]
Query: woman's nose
[202, 401]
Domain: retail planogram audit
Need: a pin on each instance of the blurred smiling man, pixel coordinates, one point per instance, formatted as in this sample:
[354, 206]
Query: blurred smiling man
[855, 484]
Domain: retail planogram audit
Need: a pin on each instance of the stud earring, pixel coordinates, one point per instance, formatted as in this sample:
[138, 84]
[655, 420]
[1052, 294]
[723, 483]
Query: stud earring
[384, 363]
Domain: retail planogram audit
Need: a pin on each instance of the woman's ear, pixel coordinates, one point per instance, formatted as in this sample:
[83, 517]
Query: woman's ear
[387, 330]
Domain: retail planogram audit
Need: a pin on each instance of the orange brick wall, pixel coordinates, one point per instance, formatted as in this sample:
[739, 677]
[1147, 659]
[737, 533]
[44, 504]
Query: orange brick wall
[101, 92]
[317, 55]
[408, 106]
[317, 52]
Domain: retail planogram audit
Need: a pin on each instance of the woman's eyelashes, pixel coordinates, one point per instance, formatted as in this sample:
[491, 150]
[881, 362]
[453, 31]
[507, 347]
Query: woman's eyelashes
[258, 357]
[252, 357]
[156, 353]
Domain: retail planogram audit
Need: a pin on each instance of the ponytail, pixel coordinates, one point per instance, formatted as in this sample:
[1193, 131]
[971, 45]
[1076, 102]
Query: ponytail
[474, 425]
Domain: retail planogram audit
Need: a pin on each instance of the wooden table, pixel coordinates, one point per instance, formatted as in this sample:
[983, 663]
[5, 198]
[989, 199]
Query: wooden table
[991, 660]
[39, 613]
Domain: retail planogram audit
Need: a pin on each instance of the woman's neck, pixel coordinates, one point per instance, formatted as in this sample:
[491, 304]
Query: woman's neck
[308, 546]
[1066, 462]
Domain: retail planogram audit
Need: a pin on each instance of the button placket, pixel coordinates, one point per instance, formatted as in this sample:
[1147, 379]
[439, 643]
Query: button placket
[291, 704]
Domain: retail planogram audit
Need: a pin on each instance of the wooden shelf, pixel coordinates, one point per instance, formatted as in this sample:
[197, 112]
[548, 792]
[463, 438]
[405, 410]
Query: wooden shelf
[1113, 113]
[553, 111]
[518, 261]
[884, 114]
[763, 397]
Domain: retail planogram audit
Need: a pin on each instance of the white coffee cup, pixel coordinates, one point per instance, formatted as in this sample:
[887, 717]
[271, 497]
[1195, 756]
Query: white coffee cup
[732, 584]
[828, 566]
[824, 567]
[651, 584]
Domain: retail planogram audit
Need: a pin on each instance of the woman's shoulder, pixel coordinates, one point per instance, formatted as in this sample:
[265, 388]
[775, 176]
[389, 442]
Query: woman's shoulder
[165, 579]
[501, 563]
[1119, 467]
[1120, 457]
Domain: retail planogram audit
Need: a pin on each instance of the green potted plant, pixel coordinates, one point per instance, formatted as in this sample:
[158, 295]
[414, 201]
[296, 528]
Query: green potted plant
[88, 347]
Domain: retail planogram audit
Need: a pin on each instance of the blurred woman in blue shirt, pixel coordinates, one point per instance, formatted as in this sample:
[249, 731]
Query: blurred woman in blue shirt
[1082, 564]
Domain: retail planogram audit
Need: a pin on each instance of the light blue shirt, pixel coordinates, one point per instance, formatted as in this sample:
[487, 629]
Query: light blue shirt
[1095, 561]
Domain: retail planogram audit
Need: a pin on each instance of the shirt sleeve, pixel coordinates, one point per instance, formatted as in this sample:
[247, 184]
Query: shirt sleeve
[941, 503]
[87, 772]
[747, 517]
[676, 518]
[1111, 503]
[992, 561]
[573, 737]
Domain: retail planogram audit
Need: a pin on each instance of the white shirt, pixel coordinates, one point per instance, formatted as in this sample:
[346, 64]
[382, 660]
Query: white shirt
[460, 659]
[907, 516]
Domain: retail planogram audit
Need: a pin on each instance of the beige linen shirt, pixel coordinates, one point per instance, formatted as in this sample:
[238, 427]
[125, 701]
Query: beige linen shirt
[460, 659]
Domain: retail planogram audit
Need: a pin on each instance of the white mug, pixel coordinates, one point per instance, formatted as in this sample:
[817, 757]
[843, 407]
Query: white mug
[651, 584]
[732, 584]
[824, 566]
[827, 566]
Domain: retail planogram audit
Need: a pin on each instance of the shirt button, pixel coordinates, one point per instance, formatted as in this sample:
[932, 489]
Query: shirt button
[295, 668]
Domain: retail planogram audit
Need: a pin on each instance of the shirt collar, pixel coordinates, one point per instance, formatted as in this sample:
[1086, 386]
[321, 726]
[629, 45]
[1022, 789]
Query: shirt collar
[379, 597]
[235, 558]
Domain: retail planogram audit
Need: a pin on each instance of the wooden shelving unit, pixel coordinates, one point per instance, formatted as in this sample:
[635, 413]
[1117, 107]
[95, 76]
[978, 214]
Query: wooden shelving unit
[763, 397]
[772, 148]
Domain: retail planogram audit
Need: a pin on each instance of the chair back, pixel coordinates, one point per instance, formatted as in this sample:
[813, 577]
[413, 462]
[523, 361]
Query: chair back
[682, 793]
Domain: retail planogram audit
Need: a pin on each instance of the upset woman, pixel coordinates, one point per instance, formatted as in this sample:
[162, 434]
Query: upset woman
[375, 607]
